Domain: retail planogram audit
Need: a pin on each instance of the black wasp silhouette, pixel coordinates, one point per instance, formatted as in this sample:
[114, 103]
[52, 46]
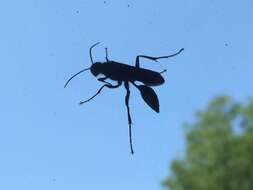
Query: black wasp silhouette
[122, 73]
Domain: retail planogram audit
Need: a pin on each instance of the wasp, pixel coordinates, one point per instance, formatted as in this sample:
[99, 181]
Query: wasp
[127, 74]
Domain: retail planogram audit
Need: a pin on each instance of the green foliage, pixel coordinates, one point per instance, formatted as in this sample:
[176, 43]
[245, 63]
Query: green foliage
[219, 150]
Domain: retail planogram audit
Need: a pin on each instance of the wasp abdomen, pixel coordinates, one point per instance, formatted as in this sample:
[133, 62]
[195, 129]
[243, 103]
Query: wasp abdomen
[122, 72]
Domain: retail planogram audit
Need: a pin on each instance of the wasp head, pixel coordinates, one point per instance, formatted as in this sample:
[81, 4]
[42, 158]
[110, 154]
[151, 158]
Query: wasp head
[96, 68]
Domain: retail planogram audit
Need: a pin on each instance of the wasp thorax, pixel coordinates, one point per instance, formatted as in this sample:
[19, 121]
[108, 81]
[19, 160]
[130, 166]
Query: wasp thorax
[96, 68]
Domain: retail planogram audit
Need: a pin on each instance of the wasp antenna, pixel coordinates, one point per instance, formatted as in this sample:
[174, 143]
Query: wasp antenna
[75, 75]
[90, 51]
[182, 49]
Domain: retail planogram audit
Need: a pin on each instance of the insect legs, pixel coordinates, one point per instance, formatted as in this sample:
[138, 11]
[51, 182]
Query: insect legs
[106, 54]
[126, 84]
[137, 62]
[100, 89]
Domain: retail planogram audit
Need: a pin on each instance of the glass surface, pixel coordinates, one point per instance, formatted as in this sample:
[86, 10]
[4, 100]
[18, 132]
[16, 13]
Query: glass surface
[49, 141]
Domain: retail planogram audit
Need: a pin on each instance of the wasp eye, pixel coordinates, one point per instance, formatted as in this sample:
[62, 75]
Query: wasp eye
[96, 68]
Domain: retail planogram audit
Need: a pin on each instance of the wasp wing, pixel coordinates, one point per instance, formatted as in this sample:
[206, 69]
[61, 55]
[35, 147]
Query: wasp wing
[150, 97]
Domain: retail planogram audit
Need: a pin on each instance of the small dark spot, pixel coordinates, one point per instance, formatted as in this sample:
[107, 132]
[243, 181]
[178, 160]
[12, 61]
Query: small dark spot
[226, 44]
[77, 11]
[128, 5]
[104, 2]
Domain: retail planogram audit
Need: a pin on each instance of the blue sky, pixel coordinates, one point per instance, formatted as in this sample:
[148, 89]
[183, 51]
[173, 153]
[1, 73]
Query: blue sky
[48, 141]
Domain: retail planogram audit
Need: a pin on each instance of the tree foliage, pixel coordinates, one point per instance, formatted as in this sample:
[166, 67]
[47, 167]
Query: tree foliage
[219, 149]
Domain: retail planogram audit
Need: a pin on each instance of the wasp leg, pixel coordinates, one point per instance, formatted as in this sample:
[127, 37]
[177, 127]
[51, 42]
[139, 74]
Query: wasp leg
[137, 61]
[102, 79]
[106, 85]
[106, 55]
[126, 84]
